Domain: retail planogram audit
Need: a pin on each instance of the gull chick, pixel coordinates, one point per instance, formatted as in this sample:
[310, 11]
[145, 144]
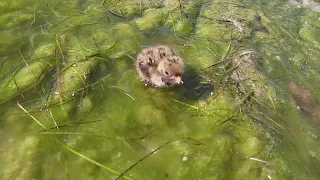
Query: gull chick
[160, 66]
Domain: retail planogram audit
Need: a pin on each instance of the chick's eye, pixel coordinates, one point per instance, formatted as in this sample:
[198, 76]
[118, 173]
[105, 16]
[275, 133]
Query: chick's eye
[166, 72]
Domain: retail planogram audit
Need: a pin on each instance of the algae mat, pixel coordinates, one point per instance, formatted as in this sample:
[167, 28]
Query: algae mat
[73, 107]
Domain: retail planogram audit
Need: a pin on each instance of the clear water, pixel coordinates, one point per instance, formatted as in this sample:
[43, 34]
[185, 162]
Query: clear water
[91, 107]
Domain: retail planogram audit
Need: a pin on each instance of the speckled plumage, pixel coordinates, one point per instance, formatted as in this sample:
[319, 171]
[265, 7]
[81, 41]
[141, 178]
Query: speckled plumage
[160, 66]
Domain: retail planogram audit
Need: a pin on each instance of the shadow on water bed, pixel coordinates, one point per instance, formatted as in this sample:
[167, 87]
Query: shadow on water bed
[73, 107]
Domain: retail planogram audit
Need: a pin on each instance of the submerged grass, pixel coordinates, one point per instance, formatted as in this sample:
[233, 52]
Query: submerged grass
[32, 117]
[195, 107]
[140, 160]
[52, 117]
[92, 161]
[75, 152]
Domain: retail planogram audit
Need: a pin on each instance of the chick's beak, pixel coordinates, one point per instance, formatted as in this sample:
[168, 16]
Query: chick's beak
[178, 80]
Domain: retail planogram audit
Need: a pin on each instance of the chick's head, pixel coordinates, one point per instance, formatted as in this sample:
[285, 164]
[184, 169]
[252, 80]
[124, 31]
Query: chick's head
[171, 69]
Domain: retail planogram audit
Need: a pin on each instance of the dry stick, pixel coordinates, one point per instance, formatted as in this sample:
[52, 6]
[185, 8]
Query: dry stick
[122, 174]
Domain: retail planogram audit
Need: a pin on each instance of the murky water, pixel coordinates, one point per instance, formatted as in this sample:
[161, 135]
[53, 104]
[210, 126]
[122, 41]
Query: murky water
[73, 107]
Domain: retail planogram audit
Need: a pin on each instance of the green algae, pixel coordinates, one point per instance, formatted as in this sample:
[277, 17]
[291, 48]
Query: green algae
[22, 80]
[15, 19]
[72, 79]
[226, 21]
[310, 34]
[27, 152]
[151, 18]
[232, 119]
[129, 8]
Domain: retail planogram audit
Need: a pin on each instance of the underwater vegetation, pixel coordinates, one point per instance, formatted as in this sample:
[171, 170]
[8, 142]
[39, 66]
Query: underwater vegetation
[73, 106]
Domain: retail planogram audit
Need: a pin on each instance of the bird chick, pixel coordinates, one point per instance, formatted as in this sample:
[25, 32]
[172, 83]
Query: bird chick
[160, 66]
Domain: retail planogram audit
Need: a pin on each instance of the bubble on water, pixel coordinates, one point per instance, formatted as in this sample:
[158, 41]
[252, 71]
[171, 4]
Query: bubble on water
[185, 158]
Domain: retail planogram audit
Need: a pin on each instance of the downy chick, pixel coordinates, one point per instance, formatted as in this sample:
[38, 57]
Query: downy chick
[160, 66]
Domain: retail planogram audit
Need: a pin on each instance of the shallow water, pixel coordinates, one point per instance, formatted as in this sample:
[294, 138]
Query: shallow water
[82, 112]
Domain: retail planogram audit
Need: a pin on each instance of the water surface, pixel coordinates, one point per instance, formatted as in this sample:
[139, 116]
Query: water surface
[73, 106]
